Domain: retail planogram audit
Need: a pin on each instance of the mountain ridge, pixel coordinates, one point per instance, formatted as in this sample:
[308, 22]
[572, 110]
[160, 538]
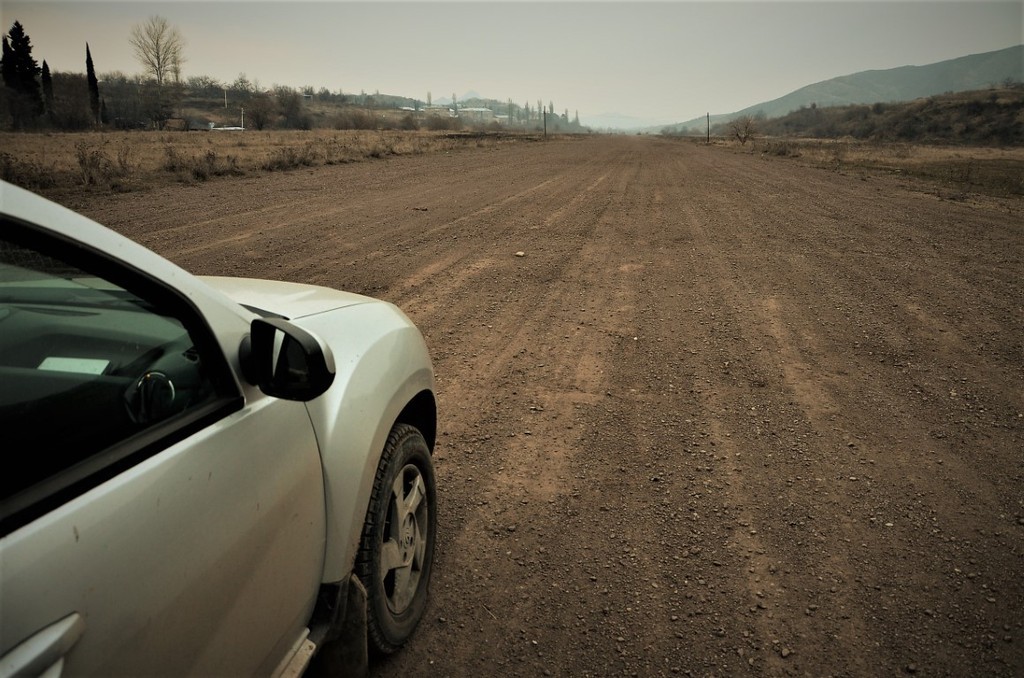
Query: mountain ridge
[902, 83]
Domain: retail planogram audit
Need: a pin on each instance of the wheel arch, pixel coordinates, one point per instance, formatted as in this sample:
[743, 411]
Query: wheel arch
[421, 412]
[383, 377]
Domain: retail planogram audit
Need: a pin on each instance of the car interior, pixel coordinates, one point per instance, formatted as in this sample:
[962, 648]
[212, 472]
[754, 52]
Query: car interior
[83, 364]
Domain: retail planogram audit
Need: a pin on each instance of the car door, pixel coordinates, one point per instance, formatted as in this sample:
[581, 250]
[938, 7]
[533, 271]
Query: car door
[159, 516]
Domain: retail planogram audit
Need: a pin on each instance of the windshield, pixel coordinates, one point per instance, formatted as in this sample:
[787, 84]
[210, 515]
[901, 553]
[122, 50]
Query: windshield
[27, 276]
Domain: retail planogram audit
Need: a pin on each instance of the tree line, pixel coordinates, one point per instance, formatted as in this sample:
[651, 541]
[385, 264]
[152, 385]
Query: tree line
[35, 98]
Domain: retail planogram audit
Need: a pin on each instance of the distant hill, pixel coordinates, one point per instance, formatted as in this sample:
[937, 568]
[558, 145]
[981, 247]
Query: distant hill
[993, 116]
[905, 83]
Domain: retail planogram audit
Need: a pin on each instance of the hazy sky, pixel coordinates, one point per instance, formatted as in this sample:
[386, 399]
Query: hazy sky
[659, 62]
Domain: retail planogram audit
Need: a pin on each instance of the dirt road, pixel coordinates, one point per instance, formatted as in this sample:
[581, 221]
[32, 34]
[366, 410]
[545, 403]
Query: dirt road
[727, 415]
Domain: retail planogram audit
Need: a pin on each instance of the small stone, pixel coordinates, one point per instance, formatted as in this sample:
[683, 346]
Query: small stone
[911, 668]
[511, 528]
[520, 254]
[785, 652]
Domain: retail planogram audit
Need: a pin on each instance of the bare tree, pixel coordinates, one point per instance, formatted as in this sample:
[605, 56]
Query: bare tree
[158, 46]
[262, 109]
[743, 128]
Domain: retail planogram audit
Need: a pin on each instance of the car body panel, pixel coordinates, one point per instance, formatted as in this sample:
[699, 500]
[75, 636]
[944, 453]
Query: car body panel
[275, 296]
[373, 344]
[222, 531]
[207, 557]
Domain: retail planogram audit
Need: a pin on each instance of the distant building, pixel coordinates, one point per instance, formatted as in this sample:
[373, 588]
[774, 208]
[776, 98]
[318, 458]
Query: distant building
[439, 111]
[477, 114]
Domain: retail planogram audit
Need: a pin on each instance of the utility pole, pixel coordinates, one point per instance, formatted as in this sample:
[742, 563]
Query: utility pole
[709, 127]
[243, 117]
[545, 124]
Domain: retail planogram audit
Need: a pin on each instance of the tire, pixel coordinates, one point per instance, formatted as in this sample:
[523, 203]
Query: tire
[396, 551]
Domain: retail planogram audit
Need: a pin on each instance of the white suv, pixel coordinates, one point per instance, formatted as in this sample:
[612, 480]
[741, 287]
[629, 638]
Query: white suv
[201, 476]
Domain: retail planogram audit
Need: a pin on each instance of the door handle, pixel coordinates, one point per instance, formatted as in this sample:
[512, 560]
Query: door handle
[43, 653]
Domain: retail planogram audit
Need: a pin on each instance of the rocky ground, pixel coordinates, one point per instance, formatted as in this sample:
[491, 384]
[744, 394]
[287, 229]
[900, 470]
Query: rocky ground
[726, 415]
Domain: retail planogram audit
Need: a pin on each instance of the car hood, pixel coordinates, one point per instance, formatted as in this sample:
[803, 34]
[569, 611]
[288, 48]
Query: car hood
[291, 300]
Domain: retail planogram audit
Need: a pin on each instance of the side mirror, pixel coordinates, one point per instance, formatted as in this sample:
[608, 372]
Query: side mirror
[285, 361]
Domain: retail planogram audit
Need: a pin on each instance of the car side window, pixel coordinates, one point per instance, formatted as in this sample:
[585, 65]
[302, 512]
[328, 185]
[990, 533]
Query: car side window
[88, 366]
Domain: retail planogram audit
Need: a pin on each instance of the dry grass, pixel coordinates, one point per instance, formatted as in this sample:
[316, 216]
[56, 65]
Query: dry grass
[957, 170]
[125, 161]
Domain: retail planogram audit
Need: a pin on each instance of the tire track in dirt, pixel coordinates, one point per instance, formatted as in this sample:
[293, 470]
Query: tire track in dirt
[732, 561]
[819, 389]
[548, 459]
[694, 340]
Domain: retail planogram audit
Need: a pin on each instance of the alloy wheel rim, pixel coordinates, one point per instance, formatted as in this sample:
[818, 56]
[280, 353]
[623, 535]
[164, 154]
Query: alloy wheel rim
[405, 539]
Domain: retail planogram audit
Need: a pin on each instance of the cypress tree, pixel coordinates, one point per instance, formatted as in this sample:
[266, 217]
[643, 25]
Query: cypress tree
[94, 86]
[48, 91]
[19, 73]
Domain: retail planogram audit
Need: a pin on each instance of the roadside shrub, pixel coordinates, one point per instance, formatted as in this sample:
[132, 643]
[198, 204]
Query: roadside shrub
[231, 166]
[437, 123]
[354, 119]
[93, 163]
[204, 166]
[409, 122]
[125, 164]
[290, 157]
[783, 149]
[334, 152]
[200, 167]
[173, 161]
[95, 166]
[26, 174]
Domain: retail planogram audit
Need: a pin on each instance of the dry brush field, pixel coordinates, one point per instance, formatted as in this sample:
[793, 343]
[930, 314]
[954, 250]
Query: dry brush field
[731, 414]
[133, 161]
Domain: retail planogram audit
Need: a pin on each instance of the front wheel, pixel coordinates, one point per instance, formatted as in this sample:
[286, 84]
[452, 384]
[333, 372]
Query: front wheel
[396, 551]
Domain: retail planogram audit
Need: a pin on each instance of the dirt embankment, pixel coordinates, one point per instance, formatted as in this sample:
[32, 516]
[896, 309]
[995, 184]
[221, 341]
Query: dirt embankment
[727, 416]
